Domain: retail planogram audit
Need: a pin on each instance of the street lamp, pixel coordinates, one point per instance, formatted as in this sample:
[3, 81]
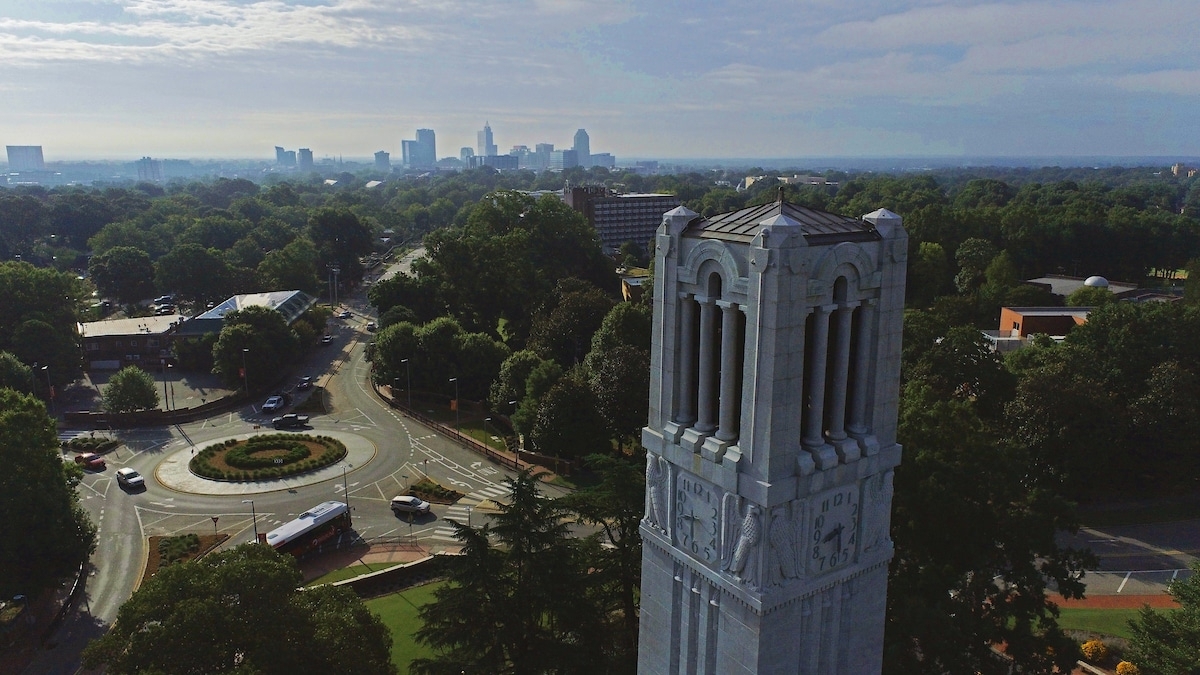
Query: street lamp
[346, 486]
[50, 388]
[487, 440]
[166, 401]
[408, 380]
[245, 371]
[253, 516]
[457, 407]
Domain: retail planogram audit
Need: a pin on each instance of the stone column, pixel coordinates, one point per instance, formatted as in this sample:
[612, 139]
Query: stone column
[814, 437]
[847, 451]
[730, 374]
[858, 426]
[687, 360]
[707, 420]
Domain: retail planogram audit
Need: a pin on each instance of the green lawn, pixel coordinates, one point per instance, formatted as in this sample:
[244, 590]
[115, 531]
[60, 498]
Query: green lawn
[350, 572]
[1104, 621]
[399, 614]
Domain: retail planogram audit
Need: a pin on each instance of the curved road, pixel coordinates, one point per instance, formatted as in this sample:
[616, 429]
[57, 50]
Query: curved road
[403, 451]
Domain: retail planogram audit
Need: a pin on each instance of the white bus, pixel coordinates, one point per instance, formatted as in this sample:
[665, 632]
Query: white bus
[311, 529]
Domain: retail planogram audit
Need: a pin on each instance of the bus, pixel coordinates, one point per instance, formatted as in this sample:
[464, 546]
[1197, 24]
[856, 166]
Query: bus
[311, 529]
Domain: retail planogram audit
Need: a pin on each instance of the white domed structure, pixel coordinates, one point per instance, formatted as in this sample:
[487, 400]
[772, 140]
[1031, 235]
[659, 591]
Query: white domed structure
[1095, 282]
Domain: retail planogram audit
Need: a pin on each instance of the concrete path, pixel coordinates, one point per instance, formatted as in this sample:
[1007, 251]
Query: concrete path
[173, 471]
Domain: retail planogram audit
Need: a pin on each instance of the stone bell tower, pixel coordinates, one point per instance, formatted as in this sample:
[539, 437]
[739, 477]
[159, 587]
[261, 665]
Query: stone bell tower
[771, 441]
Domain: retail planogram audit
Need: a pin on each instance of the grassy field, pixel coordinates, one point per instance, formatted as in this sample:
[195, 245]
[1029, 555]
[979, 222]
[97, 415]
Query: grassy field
[399, 614]
[351, 572]
[1104, 621]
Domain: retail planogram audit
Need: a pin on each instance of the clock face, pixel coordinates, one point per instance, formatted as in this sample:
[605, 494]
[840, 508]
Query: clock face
[834, 529]
[697, 509]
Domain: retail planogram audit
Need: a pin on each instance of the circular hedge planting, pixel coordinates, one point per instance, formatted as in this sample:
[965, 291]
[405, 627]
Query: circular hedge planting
[266, 457]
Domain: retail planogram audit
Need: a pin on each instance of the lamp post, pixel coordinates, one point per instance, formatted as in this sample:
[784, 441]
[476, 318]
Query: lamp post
[346, 486]
[33, 378]
[166, 401]
[457, 407]
[487, 437]
[408, 380]
[253, 516]
[50, 388]
[245, 371]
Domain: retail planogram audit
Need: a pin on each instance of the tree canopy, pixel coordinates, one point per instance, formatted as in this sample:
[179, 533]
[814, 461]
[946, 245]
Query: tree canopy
[130, 389]
[241, 611]
[39, 508]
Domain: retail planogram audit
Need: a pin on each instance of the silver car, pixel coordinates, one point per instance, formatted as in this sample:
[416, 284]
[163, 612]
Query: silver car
[130, 479]
[409, 504]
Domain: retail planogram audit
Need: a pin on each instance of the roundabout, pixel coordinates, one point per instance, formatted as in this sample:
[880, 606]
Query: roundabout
[173, 472]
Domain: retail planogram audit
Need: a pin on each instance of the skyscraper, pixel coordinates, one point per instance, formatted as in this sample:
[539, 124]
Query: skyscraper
[583, 148]
[485, 143]
[149, 170]
[25, 158]
[285, 157]
[421, 153]
[383, 161]
[305, 160]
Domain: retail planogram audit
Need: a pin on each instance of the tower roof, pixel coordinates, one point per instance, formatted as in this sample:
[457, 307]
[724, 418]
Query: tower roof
[818, 227]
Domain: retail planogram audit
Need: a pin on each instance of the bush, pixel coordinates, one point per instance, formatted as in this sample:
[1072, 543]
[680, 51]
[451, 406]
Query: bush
[1094, 651]
[1127, 668]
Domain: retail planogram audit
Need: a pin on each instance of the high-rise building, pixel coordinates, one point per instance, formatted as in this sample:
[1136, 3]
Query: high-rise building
[25, 158]
[583, 148]
[149, 170]
[421, 153]
[619, 218]
[771, 441]
[304, 159]
[383, 161]
[485, 144]
[465, 154]
[562, 159]
[285, 157]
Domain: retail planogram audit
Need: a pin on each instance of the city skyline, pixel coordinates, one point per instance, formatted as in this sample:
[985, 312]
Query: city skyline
[111, 79]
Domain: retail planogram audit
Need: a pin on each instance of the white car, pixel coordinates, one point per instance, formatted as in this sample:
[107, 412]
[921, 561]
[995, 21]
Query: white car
[274, 403]
[345, 315]
[130, 479]
[409, 504]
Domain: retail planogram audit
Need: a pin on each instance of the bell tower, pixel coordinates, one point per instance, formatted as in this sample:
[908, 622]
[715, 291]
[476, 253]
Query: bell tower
[771, 441]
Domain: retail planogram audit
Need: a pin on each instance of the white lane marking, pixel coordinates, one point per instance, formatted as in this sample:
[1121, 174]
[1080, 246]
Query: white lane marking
[1124, 581]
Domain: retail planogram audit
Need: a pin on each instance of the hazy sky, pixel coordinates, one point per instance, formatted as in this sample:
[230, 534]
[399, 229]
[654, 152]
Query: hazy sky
[232, 78]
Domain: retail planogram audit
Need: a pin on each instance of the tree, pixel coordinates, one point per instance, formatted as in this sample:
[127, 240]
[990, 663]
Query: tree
[341, 238]
[568, 423]
[14, 374]
[39, 507]
[615, 505]
[294, 267]
[241, 611]
[1168, 643]
[515, 606]
[509, 384]
[37, 318]
[130, 389]
[260, 340]
[195, 273]
[973, 257]
[124, 273]
[928, 274]
[1090, 296]
[619, 379]
[562, 329]
[967, 577]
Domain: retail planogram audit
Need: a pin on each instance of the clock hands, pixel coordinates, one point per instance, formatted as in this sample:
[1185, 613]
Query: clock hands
[835, 533]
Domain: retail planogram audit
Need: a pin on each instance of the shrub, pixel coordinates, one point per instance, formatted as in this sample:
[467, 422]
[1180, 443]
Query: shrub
[1094, 651]
[1127, 668]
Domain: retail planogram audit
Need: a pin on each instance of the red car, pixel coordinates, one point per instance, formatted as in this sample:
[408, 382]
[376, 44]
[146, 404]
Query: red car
[91, 460]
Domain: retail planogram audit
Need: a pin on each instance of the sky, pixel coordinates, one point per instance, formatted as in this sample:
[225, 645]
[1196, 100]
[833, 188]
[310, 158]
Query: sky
[115, 79]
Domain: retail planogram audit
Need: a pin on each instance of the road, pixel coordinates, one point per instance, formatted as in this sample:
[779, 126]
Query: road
[404, 450]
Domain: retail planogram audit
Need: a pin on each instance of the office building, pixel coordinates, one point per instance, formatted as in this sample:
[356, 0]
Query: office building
[304, 159]
[619, 218]
[149, 170]
[498, 162]
[771, 441]
[583, 148]
[465, 154]
[604, 159]
[25, 158]
[383, 161]
[421, 153]
[562, 159]
[485, 143]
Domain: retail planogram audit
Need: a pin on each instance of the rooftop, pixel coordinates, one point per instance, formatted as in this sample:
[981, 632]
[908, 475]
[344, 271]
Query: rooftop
[818, 227]
[142, 325]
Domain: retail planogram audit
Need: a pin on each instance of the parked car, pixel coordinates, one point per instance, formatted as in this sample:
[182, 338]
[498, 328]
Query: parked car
[409, 504]
[290, 421]
[327, 339]
[164, 300]
[130, 479]
[305, 382]
[345, 315]
[91, 460]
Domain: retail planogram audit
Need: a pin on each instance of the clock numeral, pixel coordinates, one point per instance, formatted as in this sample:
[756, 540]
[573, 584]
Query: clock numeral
[816, 553]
